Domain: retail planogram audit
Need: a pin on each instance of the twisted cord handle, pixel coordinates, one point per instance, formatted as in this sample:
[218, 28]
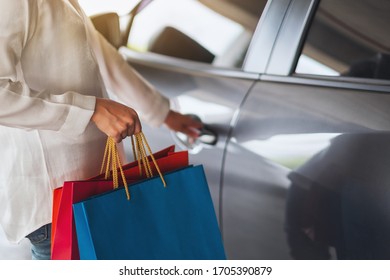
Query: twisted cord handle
[111, 160]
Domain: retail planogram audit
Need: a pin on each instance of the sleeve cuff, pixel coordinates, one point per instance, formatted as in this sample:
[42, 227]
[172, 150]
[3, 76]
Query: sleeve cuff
[79, 115]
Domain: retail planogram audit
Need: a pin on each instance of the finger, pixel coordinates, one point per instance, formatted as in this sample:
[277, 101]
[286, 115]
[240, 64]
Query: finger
[195, 123]
[118, 132]
[114, 133]
[137, 127]
[130, 130]
[117, 138]
[191, 131]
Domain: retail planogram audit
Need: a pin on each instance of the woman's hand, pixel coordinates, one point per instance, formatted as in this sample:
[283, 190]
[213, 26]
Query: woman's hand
[183, 123]
[115, 119]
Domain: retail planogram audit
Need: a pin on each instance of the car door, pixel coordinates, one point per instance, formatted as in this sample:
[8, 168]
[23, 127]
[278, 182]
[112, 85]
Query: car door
[311, 139]
[213, 97]
[197, 65]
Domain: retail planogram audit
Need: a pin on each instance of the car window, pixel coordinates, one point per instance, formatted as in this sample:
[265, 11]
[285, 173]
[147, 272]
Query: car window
[348, 38]
[216, 32]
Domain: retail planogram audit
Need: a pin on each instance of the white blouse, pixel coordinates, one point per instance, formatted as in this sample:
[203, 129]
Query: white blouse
[53, 66]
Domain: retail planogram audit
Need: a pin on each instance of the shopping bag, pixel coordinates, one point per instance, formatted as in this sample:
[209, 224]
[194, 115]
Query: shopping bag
[64, 246]
[64, 241]
[167, 223]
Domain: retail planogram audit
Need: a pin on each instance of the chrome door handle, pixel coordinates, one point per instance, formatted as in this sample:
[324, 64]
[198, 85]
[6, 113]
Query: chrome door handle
[207, 138]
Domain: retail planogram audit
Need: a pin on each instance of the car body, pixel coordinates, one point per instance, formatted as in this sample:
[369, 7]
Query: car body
[299, 165]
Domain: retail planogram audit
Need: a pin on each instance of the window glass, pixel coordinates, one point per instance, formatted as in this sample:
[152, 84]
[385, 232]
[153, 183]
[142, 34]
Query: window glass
[348, 38]
[210, 31]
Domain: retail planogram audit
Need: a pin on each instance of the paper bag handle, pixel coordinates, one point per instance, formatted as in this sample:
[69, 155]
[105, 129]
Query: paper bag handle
[112, 160]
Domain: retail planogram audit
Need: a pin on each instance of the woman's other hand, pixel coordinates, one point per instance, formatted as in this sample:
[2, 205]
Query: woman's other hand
[183, 123]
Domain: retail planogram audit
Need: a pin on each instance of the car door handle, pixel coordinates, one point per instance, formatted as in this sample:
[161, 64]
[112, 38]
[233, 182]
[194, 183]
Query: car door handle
[207, 137]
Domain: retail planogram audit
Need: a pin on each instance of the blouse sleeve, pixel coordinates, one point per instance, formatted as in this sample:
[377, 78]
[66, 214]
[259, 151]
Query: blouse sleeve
[20, 106]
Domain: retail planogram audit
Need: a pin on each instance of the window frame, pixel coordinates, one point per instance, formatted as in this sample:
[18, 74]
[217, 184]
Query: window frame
[286, 51]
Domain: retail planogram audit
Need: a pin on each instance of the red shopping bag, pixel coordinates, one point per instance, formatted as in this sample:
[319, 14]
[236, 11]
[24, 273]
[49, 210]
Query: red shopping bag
[64, 239]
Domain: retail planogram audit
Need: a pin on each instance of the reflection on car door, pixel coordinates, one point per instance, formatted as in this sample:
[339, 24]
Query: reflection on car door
[313, 147]
[280, 128]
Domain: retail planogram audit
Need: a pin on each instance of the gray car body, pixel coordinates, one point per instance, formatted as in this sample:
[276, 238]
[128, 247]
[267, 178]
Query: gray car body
[267, 120]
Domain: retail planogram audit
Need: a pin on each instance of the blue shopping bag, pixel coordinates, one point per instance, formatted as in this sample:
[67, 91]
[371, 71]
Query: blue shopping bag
[176, 222]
